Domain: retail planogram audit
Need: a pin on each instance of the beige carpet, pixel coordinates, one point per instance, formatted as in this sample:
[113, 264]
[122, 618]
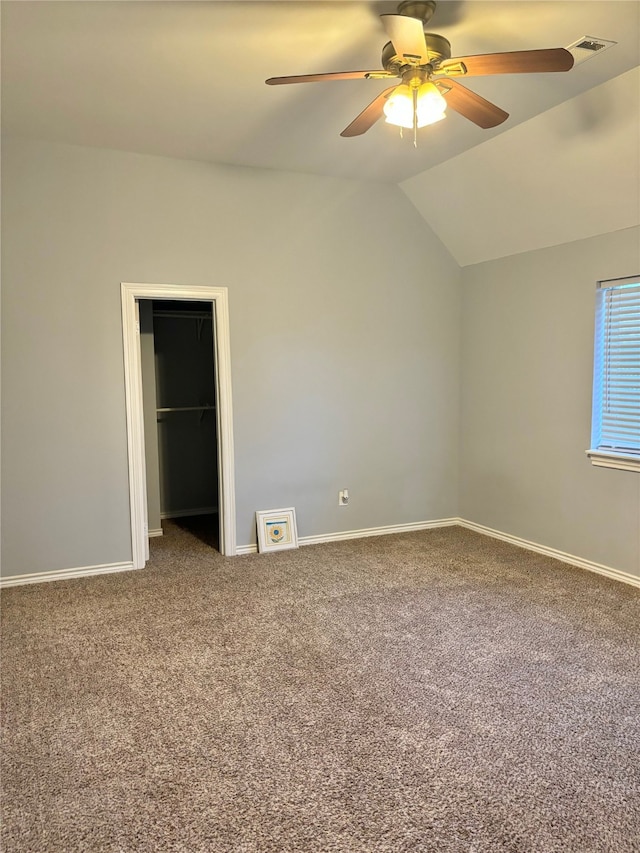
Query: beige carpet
[433, 691]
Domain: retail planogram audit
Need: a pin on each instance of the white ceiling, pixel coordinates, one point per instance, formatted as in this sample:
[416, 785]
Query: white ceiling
[570, 173]
[186, 79]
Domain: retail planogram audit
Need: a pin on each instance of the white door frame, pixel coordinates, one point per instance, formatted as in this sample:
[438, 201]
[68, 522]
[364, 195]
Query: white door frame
[135, 419]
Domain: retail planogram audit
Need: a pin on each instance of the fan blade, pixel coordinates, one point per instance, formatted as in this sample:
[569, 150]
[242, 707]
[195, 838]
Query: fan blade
[335, 75]
[369, 115]
[471, 106]
[407, 37]
[517, 62]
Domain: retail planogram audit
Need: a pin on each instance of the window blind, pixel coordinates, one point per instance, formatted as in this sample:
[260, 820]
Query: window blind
[616, 398]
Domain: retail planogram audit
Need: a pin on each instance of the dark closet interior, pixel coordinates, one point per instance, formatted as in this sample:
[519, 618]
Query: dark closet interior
[185, 406]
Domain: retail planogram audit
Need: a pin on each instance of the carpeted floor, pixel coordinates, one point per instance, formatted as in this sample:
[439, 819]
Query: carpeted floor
[433, 691]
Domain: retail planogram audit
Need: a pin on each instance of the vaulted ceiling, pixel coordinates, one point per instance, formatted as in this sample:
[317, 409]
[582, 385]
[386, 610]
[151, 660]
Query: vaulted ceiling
[186, 79]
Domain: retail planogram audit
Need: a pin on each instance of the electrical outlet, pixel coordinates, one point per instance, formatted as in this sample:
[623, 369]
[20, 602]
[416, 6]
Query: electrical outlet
[343, 497]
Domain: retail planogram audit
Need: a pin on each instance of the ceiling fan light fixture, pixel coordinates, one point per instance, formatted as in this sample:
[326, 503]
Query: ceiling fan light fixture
[429, 106]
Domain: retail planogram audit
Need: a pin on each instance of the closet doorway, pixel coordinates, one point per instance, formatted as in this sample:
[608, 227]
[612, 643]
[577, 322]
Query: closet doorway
[178, 401]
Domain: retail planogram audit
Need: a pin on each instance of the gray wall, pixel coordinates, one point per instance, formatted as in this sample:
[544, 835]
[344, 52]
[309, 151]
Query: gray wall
[527, 350]
[344, 343]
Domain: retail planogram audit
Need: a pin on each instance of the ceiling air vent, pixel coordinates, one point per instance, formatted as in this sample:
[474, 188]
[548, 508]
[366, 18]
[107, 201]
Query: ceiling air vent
[586, 47]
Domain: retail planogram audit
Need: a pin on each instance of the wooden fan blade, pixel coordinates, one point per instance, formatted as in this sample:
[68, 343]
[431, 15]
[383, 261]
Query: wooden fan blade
[407, 37]
[516, 62]
[369, 115]
[471, 106]
[335, 75]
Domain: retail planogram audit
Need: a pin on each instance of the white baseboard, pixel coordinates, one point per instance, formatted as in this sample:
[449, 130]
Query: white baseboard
[66, 574]
[241, 550]
[377, 531]
[157, 532]
[361, 534]
[571, 559]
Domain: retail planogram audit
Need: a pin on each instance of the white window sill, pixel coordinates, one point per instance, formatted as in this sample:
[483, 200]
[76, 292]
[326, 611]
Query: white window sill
[609, 459]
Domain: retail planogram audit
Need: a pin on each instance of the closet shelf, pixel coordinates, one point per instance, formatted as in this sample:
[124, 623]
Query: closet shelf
[185, 409]
[184, 315]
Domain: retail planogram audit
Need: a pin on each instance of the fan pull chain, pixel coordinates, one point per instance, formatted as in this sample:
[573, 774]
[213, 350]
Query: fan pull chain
[415, 118]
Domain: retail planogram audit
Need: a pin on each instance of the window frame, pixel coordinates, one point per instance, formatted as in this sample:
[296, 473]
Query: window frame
[603, 455]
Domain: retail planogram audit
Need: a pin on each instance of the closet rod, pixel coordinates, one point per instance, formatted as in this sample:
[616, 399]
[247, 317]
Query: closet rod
[184, 315]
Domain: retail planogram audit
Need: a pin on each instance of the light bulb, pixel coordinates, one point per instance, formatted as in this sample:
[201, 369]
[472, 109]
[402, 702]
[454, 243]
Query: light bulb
[431, 105]
[398, 108]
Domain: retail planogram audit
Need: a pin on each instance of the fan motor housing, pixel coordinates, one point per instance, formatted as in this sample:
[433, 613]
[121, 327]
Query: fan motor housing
[421, 9]
[438, 46]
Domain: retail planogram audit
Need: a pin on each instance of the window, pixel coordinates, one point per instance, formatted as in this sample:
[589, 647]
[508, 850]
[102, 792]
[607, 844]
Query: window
[615, 429]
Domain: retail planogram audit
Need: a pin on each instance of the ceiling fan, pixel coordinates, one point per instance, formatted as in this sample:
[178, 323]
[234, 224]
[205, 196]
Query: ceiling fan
[428, 73]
